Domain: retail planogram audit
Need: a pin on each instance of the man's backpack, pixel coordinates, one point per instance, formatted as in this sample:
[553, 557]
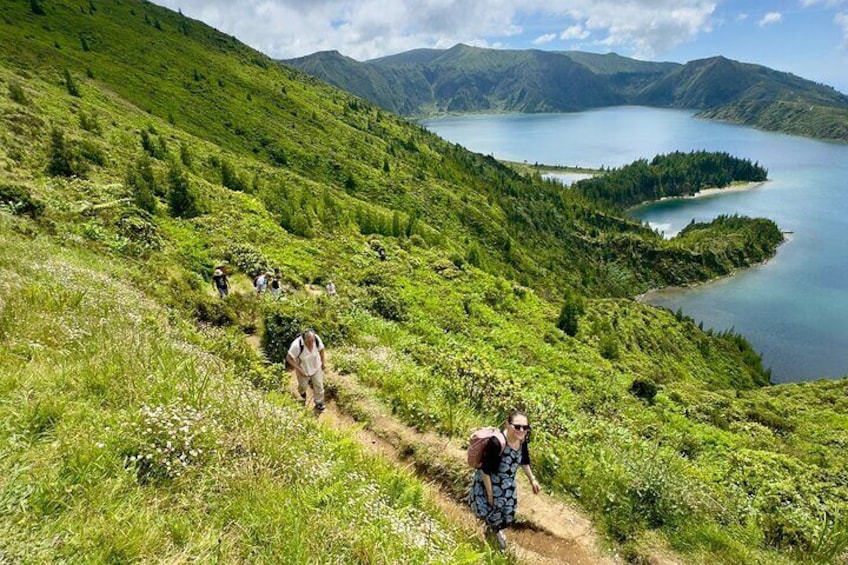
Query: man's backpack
[301, 346]
[477, 445]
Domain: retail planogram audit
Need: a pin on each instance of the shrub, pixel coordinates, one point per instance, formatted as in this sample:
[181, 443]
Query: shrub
[71, 85]
[142, 183]
[19, 201]
[182, 200]
[608, 346]
[386, 303]
[141, 234]
[249, 259]
[644, 388]
[89, 122]
[17, 94]
[573, 307]
[92, 152]
[63, 160]
[284, 321]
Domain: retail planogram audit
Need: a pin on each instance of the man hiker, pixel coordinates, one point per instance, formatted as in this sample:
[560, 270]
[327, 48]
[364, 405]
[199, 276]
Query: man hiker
[306, 355]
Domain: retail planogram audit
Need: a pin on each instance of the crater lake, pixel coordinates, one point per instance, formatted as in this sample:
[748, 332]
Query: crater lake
[794, 308]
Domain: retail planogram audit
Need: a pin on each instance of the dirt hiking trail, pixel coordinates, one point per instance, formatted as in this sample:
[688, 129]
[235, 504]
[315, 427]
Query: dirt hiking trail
[547, 532]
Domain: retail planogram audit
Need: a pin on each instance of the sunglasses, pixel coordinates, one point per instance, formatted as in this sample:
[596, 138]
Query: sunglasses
[521, 427]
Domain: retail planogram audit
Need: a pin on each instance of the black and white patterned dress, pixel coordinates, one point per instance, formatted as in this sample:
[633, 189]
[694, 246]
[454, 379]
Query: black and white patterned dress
[501, 469]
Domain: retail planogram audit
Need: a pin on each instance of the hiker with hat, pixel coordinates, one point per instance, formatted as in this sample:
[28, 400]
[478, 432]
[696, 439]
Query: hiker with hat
[220, 282]
[493, 496]
[306, 356]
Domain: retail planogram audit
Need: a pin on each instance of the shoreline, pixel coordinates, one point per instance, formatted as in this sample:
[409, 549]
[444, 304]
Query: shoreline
[705, 193]
[642, 298]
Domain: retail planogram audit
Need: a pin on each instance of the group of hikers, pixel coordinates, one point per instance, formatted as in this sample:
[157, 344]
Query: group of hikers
[263, 282]
[494, 453]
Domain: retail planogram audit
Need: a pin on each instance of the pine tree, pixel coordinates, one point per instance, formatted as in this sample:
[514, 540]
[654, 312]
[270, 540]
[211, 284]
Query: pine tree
[71, 85]
[573, 307]
[182, 202]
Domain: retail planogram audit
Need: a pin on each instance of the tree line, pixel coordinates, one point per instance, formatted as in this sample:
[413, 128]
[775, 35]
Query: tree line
[673, 174]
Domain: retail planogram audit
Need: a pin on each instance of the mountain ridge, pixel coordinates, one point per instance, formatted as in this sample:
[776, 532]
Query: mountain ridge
[466, 79]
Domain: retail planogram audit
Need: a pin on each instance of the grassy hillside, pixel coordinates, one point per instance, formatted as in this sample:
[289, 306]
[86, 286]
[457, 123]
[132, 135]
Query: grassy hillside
[139, 149]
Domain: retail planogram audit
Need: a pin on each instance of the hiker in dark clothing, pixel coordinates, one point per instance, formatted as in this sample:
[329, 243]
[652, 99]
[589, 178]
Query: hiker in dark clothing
[220, 282]
[493, 493]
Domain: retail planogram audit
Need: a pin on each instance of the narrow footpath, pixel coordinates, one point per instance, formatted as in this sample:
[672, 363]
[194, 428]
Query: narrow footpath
[548, 531]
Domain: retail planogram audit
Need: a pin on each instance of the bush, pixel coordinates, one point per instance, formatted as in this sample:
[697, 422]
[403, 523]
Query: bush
[608, 346]
[19, 201]
[386, 303]
[142, 184]
[249, 259]
[63, 160]
[141, 234]
[17, 94]
[284, 321]
[182, 200]
[71, 85]
[573, 307]
[644, 388]
[89, 122]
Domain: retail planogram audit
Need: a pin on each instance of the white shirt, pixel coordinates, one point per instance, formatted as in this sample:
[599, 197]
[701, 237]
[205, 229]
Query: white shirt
[310, 361]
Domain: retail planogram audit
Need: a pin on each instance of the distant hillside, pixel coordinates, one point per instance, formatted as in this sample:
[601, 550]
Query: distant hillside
[471, 79]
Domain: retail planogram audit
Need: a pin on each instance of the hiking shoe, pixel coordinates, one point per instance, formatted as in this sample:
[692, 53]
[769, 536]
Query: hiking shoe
[501, 539]
[320, 407]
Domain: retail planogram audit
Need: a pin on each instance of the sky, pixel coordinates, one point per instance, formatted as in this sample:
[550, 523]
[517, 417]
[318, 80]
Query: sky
[806, 37]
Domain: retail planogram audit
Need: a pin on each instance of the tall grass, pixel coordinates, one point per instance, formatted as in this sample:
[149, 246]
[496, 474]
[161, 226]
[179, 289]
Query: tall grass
[123, 440]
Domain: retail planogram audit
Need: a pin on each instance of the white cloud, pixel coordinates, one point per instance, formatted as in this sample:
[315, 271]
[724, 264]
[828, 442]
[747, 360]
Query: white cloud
[547, 38]
[364, 29]
[770, 18]
[828, 3]
[647, 28]
[841, 19]
[574, 32]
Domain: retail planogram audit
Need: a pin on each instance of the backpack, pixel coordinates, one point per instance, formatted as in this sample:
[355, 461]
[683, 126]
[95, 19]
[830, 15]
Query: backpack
[302, 345]
[477, 445]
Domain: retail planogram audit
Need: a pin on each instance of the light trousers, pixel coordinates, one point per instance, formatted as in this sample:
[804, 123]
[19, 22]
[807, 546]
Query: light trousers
[317, 385]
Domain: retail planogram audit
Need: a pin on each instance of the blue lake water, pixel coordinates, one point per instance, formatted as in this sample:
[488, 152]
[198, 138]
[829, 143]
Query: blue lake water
[794, 309]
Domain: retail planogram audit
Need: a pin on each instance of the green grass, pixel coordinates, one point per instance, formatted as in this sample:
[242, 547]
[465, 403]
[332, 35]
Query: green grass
[106, 308]
[96, 382]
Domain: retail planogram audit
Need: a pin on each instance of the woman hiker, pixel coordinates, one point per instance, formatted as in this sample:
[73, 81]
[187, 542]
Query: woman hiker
[493, 494]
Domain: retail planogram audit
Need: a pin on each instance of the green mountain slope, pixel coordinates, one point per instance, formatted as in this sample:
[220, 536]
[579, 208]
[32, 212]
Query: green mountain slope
[140, 149]
[468, 79]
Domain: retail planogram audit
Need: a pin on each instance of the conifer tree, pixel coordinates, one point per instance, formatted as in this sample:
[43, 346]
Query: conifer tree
[569, 316]
[182, 202]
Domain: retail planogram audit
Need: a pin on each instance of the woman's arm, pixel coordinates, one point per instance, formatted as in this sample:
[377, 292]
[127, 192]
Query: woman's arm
[533, 482]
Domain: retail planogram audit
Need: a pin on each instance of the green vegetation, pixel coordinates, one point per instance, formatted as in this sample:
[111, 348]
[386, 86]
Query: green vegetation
[453, 272]
[471, 79]
[675, 174]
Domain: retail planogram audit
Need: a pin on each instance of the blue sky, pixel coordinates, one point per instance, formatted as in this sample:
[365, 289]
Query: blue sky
[806, 37]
